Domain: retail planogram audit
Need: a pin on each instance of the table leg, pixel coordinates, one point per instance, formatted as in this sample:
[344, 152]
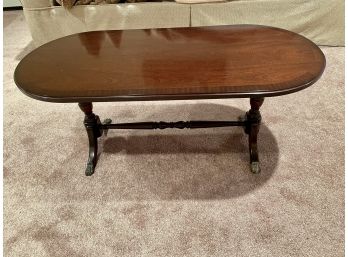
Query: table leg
[93, 127]
[253, 118]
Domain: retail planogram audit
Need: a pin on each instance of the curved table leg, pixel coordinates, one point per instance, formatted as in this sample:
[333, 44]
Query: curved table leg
[92, 124]
[253, 119]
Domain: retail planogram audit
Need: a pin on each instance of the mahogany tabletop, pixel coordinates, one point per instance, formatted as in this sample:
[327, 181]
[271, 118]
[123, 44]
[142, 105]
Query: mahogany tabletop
[177, 63]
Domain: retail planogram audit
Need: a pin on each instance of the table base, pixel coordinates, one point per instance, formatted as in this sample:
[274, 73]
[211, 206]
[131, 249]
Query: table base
[251, 123]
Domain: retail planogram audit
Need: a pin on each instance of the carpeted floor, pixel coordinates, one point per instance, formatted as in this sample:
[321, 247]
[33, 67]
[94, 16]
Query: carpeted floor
[174, 192]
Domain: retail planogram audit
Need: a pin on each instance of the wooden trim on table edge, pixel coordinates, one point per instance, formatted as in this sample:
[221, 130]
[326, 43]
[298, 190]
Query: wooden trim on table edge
[161, 97]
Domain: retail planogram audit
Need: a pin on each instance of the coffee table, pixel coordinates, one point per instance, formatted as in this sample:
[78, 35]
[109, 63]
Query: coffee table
[236, 61]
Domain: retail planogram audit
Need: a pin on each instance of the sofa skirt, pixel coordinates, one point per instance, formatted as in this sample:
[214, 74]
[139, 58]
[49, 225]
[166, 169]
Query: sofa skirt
[322, 21]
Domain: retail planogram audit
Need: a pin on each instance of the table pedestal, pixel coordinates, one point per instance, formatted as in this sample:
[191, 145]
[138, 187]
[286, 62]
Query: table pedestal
[95, 128]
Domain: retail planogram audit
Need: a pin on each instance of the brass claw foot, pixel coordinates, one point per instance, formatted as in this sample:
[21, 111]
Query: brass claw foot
[89, 169]
[255, 167]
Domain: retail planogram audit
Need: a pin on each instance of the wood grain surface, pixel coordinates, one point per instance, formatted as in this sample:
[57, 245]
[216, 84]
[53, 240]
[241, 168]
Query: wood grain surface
[176, 63]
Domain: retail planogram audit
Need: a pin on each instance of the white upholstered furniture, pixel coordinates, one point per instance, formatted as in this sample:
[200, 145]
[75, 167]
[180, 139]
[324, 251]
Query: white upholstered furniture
[322, 21]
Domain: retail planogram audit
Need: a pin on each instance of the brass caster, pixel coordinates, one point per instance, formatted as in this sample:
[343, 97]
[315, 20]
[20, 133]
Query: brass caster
[255, 167]
[89, 169]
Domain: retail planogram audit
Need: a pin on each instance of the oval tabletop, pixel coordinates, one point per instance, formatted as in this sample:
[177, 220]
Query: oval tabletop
[176, 63]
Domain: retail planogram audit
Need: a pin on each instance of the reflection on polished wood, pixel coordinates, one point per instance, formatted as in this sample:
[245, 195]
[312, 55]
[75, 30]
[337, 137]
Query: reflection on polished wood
[179, 63]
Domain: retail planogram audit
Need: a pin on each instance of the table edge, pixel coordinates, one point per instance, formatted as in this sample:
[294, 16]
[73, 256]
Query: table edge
[164, 97]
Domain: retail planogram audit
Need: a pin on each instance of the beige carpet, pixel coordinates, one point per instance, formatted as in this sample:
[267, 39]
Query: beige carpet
[174, 192]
